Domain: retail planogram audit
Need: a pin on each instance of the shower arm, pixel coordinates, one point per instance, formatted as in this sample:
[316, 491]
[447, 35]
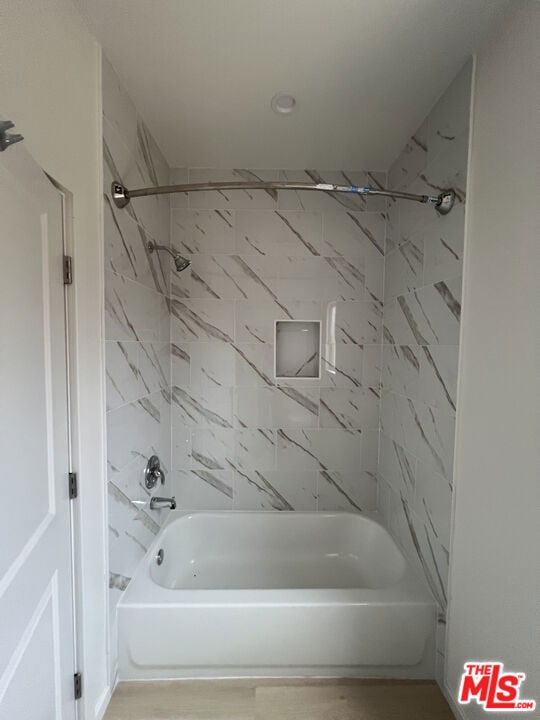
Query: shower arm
[121, 196]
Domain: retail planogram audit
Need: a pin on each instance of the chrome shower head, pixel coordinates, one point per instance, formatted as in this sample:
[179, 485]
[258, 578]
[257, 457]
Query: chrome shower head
[181, 263]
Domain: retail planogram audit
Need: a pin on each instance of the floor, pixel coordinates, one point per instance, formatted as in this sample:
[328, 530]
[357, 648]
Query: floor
[279, 700]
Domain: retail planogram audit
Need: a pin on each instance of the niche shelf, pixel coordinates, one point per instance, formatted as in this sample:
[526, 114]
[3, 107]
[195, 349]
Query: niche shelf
[297, 349]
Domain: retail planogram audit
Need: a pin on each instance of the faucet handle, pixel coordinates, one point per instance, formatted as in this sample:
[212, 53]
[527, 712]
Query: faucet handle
[153, 473]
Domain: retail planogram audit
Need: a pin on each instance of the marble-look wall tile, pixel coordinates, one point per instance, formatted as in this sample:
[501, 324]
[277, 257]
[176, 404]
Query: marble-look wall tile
[354, 234]
[422, 312]
[404, 269]
[203, 231]
[347, 491]
[271, 490]
[213, 449]
[259, 257]
[427, 432]
[328, 202]
[204, 489]
[349, 408]
[397, 467]
[202, 320]
[233, 199]
[278, 233]
[401, 369]
[138, 353]
[428, 316]
[133, 311]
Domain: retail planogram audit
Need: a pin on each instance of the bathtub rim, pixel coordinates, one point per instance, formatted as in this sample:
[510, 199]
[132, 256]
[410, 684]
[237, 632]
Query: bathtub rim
[142, 590]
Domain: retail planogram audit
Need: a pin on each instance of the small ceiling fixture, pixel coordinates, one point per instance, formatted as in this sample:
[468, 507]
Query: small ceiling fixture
[283, 103]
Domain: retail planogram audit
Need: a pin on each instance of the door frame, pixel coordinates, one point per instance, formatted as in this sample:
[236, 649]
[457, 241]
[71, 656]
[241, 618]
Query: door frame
[86, 552]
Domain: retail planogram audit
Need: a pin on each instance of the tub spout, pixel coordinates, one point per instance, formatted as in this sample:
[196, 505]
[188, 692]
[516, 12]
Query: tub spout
[156, 503]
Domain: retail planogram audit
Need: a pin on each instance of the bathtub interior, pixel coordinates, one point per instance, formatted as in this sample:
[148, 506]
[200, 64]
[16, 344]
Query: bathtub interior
[211, 551]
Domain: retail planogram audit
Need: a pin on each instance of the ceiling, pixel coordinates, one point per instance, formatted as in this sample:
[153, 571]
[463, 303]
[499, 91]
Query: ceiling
[364, 74]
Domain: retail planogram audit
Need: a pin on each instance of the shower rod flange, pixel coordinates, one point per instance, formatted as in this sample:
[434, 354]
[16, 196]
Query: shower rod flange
[121, 196]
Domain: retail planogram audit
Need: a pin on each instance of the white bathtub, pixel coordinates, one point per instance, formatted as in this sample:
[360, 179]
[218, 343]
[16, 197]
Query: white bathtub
[275, 594]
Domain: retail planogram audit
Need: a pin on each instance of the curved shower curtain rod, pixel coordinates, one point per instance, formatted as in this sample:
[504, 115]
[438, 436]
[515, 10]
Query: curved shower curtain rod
[121, 196]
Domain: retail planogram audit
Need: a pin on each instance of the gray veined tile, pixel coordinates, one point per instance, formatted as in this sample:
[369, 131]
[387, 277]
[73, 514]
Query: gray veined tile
[180, 445]
[254, 364]
[180, 364]
[412, 160]
[392, 238]
[155, 366]
[343, 278]
[150, 156]
[292, 407]
[342, 365]
[372, 366]
[354, 234]
[448, 170]
[255, 449]
[231, 277]
[401, 369]
[267, 490]
[275, 407]
[432, 555]
[131, 532]
[324, 449]
[300, 278]
[433, 502]
[426, 432]
[255, 321]
[133, 311]
[233, 199]
[438, 376]
[345, 408]
[353, 322]
[195, 320]
[346, 491]
[297, 450]
[449, 119]
[397, 467]
[123, 379]
[130, 165]
[179, 176]
[428, 316]
[277, 233]
[203, 231]
[404, 269]
[443, 246]
[125, 250]
[131, 429]
[321, 201]
[213, 365]
[204, 489]
[339, 449]
[206, 408]
[213, 449]
[374, 284]
[370, 450]
[128, 479]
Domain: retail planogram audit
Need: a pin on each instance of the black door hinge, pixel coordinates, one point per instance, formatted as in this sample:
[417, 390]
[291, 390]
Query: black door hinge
[77, 686]
[72, 483]
[68, 270]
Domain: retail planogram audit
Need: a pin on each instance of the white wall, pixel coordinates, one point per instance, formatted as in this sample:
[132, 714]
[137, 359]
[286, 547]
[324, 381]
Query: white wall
[50, 87]
[494, 606]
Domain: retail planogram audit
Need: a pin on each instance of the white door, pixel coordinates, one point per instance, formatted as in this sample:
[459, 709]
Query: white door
[36, 615]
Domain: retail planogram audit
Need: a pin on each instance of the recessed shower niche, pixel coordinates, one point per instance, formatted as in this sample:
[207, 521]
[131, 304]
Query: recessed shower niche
[297, 349]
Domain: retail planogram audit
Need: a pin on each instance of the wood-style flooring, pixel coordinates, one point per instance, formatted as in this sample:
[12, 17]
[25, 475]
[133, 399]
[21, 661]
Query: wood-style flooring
[279, 700]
